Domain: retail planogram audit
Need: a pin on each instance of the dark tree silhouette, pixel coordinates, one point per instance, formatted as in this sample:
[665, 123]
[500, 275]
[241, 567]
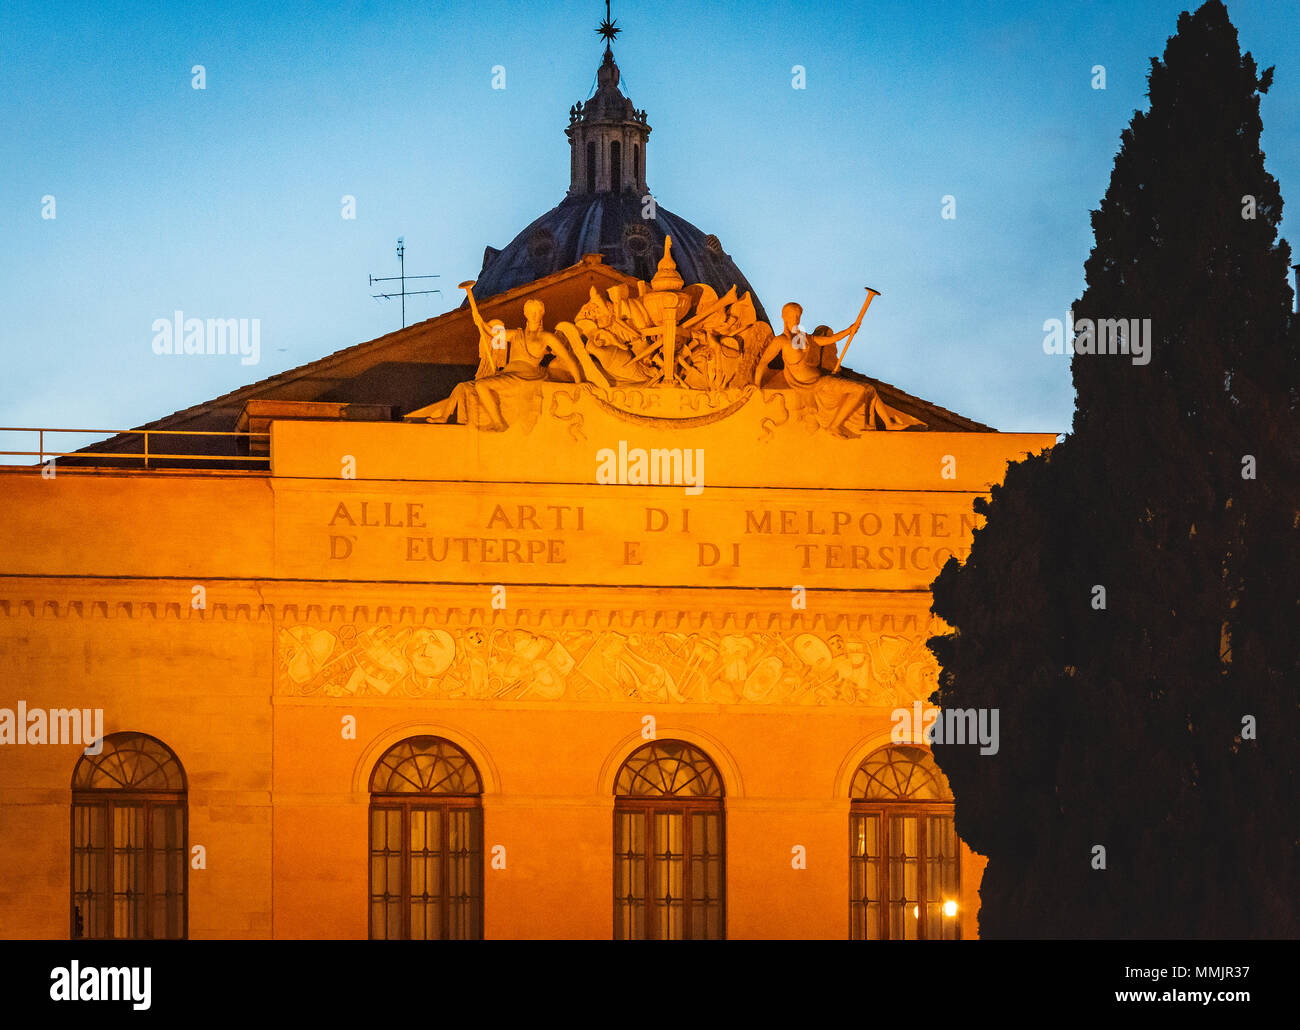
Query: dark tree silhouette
[1127, 726]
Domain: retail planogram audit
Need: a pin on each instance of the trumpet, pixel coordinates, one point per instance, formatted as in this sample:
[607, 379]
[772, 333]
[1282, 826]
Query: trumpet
[871, 295]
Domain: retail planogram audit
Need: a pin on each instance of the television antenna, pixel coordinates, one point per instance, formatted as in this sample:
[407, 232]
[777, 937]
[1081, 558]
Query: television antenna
[401, 277]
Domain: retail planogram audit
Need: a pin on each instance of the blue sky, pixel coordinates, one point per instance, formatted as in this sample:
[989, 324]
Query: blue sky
[225, 202]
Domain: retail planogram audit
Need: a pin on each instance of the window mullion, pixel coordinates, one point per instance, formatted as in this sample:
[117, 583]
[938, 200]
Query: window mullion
[884, 883]
[688, 925]
[650, 870]
[405, 900]
[922, 877]
[444, 867]
[110, 864]
[148, 870]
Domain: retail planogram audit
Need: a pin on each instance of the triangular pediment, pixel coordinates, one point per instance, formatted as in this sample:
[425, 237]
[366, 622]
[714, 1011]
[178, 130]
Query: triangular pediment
[419, 365]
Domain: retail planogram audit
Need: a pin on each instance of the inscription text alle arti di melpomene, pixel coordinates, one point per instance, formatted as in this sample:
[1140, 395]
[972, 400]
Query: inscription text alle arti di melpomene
[867, 539]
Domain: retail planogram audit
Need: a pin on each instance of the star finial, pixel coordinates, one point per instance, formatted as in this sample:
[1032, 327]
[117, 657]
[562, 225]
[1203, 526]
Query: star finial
[608, 28]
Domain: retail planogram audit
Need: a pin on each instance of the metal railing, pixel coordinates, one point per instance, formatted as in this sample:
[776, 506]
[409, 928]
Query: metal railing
[42, 453]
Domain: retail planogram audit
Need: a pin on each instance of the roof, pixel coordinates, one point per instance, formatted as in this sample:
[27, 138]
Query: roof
[614, 226]
[418, 365]
[936, 418]
[407, 369]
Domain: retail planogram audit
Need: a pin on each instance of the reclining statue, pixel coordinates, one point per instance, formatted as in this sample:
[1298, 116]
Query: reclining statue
[509, 371]
[831, 398]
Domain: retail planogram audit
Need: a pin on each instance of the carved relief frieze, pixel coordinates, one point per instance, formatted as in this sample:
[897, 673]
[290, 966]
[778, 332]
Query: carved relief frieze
[687, 666]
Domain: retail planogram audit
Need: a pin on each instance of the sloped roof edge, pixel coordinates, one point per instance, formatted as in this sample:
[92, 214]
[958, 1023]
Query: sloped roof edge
[590, 262]
[320, 367]
[892, 393]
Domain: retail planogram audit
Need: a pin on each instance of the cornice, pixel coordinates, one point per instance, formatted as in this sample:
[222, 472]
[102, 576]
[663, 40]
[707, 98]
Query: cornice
[632, 609]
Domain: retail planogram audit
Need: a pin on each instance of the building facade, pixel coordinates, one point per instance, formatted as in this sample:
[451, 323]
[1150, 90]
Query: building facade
[586, 610]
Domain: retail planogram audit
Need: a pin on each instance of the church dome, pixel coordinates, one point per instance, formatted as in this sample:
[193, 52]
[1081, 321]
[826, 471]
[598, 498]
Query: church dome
[609, 210]
[610, 224]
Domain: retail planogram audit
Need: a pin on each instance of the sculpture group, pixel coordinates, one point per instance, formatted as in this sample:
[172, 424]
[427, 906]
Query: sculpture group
[667, 335]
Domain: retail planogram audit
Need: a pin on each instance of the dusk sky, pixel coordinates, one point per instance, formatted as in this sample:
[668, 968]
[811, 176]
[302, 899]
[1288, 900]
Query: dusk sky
[226, 202]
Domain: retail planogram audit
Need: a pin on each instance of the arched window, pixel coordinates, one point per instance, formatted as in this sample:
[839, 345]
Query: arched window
[668, 845]
[591, 166]
[129, 841]
[616, 166]
[903, 870]
[636, 165]
[426, 843]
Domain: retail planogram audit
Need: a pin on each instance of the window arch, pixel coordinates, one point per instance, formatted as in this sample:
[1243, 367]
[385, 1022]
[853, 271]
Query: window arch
[616, 166]
[668, 845]
[426, 843]
[903, 859]
[129, 841]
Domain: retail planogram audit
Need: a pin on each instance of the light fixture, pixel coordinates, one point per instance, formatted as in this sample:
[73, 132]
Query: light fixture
[950, 908]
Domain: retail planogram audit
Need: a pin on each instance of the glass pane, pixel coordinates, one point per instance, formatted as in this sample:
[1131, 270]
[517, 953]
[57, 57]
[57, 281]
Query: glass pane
[665, 768]
[667, 876]
[96, 813]
[464, 873]
[419, 865]
[386, 873]
[864, 871]
[629, 876]
[425, 919]
[128, 871]
[706, 876]
[425, 765]
[425, 871]
[429, 877]
[129, 760]
[167, 871]
[904, 899]
[89, 872]
[900, 772]
[942, 893]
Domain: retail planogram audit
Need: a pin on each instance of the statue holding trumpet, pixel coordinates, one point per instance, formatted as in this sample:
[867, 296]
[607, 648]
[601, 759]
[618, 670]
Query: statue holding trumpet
[832, 400]
[505, 387]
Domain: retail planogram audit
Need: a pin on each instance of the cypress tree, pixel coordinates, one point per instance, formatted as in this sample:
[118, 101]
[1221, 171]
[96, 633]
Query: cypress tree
[1130, 605]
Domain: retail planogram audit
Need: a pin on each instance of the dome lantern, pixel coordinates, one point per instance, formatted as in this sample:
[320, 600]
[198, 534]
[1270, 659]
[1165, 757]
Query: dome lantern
[607, 135]
[607, 209]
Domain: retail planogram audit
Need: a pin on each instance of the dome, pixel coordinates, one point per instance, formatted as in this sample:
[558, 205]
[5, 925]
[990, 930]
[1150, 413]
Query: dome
[605, 210]
[610, 224]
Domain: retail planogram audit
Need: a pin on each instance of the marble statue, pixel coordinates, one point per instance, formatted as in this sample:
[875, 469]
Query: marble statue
[829, 397]
[510, 367]
[598, 334]
[628, 346]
